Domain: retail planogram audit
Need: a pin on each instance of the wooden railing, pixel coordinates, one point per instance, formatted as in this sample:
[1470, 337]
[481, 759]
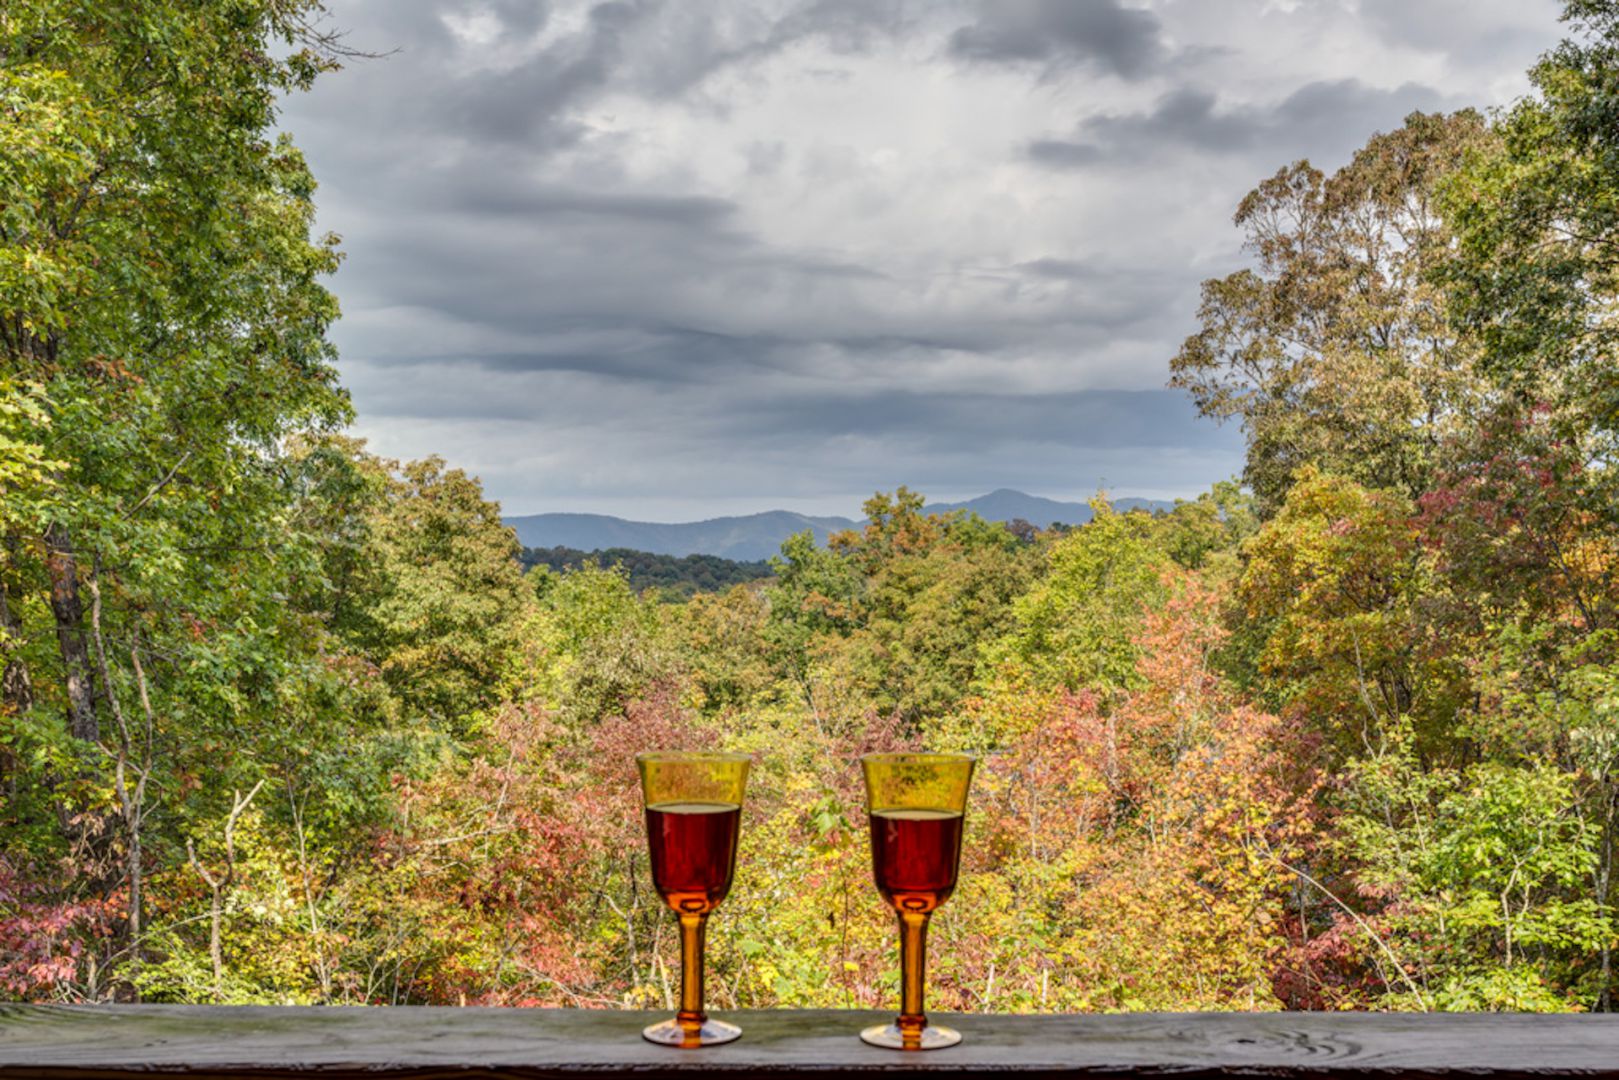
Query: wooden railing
[146, 1040]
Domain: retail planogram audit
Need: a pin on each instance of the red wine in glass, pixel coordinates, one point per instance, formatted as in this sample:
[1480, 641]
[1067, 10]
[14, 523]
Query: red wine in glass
[693, 847]
[914, 856]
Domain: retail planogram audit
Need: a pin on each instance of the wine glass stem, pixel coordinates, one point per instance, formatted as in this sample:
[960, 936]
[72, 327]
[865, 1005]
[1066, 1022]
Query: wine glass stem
[691, 1015]
[913, 962]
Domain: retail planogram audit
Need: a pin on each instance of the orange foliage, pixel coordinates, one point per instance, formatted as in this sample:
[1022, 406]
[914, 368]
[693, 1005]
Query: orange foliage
[1173, 816]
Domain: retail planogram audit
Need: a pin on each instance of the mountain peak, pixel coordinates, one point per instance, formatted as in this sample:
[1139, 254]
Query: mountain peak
[758, 536]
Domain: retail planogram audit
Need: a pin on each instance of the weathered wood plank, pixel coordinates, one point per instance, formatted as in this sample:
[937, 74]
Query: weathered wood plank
[546, 1044]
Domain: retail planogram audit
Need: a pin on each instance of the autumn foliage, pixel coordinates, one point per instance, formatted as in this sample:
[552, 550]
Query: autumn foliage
[283, 721]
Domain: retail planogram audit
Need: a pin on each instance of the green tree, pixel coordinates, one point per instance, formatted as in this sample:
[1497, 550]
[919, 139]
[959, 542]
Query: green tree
[1487, 874]
[160, 299]
[894, 612]
[1336, 577]
[440, 592]
[930, 609]
[1536, 279]
[1336, 349]
[1078, 626]
[596, 646]
[1537, 224]
[1216, 523]
[725, 648]
[818, 594]
[157, 274]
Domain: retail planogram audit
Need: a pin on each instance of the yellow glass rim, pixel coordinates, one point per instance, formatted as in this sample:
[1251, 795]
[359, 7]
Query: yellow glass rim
[917, 781]
[890, 758]
[691, 755]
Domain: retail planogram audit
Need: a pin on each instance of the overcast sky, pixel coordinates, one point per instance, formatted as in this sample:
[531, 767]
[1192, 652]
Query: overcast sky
[669, 259]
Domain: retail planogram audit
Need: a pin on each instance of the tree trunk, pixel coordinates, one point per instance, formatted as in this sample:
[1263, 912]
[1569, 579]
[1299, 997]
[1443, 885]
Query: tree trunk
[16, 689]
[66, 606]
[216, 951]
[1604, 878]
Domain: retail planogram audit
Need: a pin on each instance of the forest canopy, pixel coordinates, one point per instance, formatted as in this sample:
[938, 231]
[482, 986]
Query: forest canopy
[676, 576]
[286, 721]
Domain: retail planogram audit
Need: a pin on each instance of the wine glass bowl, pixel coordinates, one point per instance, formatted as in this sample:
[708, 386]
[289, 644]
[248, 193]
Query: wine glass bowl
[693, 819]
[917, 806]
[693, 848]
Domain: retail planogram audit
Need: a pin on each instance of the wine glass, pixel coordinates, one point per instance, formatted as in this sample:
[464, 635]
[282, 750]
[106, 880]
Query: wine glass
[693, 815]
[917, 804]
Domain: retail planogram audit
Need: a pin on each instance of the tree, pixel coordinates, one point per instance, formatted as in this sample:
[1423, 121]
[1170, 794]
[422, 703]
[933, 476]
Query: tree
[1538, 229]
[1136, 849]
[161, 305]
[1216, 522]
[675, 577]
[1536, 279]
[1478, 873]
[724, 646]
[818, 594]
[595, 645]
[1077, 627]
[157, 276]
[895, 525]
[1336, 350]
[439, 592]
[1336, 576]
[932, 609]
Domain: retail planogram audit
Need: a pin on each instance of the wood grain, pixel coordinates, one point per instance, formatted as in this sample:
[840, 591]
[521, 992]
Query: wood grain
[145, 1040]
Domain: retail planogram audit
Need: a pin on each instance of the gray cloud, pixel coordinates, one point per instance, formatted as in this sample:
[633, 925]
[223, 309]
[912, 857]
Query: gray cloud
[512, 71]
[804, 445]
[534, 202]
[1467, 29]
[1319, 119]
[668, 260]
[1079, 420]
[526, 102]
[1127, 42]
[1065, 153]
[1060, 269]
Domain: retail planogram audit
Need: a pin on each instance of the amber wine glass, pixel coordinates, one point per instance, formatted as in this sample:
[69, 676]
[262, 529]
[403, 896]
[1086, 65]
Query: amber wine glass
[916, 803]
[693, 815]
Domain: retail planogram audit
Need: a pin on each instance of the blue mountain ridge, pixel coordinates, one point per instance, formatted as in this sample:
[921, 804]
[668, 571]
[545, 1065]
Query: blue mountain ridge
[759, 536]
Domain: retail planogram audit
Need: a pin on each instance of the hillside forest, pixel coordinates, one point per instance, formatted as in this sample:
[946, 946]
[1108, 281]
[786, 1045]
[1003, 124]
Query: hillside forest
[673, 576]
[284, 721]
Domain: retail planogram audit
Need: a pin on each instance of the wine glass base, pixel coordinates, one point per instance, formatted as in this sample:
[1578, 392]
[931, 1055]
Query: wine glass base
[890, 1036]
[712, 1033]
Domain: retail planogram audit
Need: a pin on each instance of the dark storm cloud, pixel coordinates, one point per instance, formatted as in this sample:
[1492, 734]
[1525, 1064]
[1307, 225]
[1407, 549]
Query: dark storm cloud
[654, 48]
[526, 102]
[941, 443]
[459, 91]
[539, 201]
[1100, 33]
[677, 289]
[618, 350]
[1319, 119]
[648, 357]
[1120, 419]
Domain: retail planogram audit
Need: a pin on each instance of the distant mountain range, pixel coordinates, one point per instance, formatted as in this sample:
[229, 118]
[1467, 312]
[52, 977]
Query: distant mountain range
[759, 536]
